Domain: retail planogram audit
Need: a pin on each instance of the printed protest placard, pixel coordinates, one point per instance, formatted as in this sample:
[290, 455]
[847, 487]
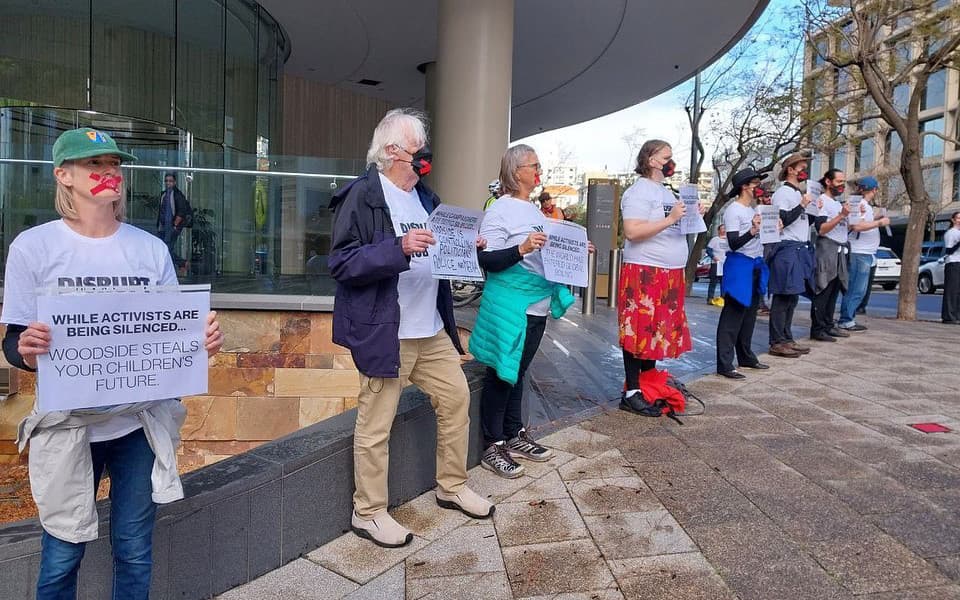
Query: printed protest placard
[454, 256]
[856, 210]
[814, 189]
[120, 348]
[565, 253]
[769, 224]
[692, 221]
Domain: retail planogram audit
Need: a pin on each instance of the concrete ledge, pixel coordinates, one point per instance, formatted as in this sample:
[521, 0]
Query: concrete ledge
[307, 303]
[252, 513]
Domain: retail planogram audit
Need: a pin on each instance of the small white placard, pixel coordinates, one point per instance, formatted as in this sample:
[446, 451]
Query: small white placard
[814, 189]
[769, 224]
[454, 255]
[565, 253]
[121, 348]
[692, 221]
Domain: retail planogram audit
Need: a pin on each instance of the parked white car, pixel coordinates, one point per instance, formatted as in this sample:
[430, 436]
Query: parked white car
[888, 268]
[930, 276]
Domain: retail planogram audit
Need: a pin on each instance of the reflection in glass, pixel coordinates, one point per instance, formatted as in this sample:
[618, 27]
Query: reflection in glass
[932, 145]
[200, 64]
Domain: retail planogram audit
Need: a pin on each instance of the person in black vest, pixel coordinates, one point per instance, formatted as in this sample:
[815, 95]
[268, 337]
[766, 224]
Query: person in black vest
[172, 216]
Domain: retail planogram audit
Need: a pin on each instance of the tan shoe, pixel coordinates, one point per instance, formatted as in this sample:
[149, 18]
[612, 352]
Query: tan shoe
[468, 502]
[381, 529]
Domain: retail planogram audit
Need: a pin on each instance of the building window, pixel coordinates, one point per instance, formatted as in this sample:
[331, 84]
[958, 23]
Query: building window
[933, 184]
[931, 145]
[935, 94]
[896, 192]
[956, 181]
[901, 98]
[839, 159]
[820, 49]
[865, 155]
[893, 148]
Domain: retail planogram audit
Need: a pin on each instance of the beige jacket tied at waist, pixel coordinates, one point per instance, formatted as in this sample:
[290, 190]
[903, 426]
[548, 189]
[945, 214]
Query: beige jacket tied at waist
[61, 467]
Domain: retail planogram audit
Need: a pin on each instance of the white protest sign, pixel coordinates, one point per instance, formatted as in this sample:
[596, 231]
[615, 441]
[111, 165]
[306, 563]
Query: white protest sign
[565, 253]
[120, 348]
[454, 256]
[769, 224]
[814, 189]
[692, 221]
[856, 210]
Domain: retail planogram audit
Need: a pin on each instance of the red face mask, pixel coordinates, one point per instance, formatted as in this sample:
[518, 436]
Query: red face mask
[758, 193]
[536, 179]
[802, 176]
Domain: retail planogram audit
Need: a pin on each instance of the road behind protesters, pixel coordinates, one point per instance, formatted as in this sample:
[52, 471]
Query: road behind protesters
[69, 450]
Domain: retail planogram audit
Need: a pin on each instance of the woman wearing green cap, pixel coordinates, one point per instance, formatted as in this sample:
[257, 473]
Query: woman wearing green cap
[69, 450]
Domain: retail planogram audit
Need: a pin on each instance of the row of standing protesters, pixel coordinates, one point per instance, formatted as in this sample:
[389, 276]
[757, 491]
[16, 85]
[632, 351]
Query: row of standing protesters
[838, 261]
[70, 450]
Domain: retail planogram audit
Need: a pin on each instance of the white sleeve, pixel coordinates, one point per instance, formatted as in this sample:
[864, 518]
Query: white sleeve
[493, 230]
[19, 289]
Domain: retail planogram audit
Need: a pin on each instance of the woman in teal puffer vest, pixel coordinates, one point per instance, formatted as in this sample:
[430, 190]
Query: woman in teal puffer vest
[513, 311]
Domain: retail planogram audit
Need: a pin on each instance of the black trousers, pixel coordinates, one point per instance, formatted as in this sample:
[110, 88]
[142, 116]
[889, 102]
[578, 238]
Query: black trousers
[950, 309]
[714, 280]
[501, 403]
[782, 308]
[735, 330]
[632, 367]
[823, 308]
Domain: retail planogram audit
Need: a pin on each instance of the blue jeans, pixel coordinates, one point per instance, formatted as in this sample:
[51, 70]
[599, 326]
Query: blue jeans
[129, 460]
[859, 279]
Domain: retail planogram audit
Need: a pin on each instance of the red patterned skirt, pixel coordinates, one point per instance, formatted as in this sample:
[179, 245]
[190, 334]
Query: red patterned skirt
[653, 324]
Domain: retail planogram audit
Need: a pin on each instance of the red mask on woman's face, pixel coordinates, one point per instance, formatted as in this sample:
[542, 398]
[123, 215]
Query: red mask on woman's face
[758, 193]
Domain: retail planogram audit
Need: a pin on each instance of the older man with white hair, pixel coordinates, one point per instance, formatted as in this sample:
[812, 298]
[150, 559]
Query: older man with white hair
[397, 321]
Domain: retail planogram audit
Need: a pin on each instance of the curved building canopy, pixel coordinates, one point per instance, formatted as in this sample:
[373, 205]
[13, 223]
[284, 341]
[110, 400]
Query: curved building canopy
[574, 60]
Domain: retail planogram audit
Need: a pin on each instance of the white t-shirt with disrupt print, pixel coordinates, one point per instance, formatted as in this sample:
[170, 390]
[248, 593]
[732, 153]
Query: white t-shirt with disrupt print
[54, 255]
[417, 289]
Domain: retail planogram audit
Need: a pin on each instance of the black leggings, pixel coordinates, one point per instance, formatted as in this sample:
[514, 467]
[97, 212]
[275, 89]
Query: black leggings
[632, 367]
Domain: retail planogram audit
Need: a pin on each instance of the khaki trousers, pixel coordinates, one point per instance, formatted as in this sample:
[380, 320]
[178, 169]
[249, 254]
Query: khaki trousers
[433, 365]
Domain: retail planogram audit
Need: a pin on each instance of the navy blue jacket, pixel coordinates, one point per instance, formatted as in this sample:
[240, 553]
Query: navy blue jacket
[792, 268]
[366, 260]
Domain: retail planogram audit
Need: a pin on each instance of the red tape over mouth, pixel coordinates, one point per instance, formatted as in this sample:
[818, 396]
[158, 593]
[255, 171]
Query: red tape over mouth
[107, 182]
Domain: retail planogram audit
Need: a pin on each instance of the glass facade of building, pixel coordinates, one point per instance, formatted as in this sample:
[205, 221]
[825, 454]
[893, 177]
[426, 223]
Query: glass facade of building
[189, 86]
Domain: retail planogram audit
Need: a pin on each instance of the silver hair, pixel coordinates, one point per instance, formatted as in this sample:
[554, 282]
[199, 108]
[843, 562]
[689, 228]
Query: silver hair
[510, 163]
[398, 127]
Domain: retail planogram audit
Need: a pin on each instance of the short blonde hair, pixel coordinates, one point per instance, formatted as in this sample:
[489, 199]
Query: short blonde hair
[512, 160]
[398, 126]
[63, 201]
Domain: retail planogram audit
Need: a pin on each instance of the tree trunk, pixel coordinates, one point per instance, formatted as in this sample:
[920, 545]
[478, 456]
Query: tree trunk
[916, 229]
[690, 270]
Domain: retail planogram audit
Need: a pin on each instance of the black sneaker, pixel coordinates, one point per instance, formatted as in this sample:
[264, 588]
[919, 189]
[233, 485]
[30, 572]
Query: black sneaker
[636, 404]
[523, 446]
[498, 460]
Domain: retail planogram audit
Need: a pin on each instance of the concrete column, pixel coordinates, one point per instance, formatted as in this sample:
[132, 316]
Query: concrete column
[472, 90]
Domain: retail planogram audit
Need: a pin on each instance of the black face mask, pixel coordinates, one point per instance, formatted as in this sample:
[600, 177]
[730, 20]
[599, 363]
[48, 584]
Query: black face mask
[668, 168]
[421, 161]
[837, 190]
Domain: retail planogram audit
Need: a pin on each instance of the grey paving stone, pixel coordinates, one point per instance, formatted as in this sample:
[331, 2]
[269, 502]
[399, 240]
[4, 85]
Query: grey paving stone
[629, 535]
[608, 464]
[823, 462]
[607, 594]
[359, 559]
[480, 586]
[923, 474]
[579, 441]
[652, 448]
[794, 579]
[926, 531]
[389, 586]
[548, 487]
[676, 473]
[948, 592]
[949, 566]
[612, 495]
[709, 504]
[670, 577]
[426, 519]
[745, 545]
[874, 495]
[298, 580]
[555, 568]
[874, 563]
[536, 521]
[493, 487]
[536, 470]
[466, 550]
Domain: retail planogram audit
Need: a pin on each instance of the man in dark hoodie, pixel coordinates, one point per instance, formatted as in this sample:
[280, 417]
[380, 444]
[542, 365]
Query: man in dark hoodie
[397, 321]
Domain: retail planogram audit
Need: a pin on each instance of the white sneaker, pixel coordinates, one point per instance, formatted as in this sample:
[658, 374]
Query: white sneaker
[382, 530]
[468, 502]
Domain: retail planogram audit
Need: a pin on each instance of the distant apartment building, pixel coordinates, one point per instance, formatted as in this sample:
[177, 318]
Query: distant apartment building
[705, 185]
[861, 145]
[564, 175]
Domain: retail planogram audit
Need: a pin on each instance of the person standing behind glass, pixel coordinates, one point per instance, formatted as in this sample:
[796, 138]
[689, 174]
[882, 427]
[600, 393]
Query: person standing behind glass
[950, 309]
[745, 282]
[717, 250]
[172, 216]
[864, 236]
[652, 320]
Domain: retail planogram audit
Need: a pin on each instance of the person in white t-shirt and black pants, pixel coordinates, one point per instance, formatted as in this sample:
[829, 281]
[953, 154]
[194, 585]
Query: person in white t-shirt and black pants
[745, 278]
[831, 255]
[950, 309]
[717, 251]
[864, 240]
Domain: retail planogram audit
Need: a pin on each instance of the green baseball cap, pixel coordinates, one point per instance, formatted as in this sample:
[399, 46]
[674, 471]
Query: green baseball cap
[84, 143]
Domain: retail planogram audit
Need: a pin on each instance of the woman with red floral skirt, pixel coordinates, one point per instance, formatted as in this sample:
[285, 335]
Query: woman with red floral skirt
[653, 324]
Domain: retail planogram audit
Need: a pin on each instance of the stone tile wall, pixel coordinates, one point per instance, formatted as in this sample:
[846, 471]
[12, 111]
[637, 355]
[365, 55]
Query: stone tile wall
[279, 372]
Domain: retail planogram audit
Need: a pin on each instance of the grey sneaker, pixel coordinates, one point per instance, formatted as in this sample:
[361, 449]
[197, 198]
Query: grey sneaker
[498, 460]
[523, 446]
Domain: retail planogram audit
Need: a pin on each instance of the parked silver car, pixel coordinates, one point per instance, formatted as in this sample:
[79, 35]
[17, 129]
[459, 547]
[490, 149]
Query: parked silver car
[930, 277]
